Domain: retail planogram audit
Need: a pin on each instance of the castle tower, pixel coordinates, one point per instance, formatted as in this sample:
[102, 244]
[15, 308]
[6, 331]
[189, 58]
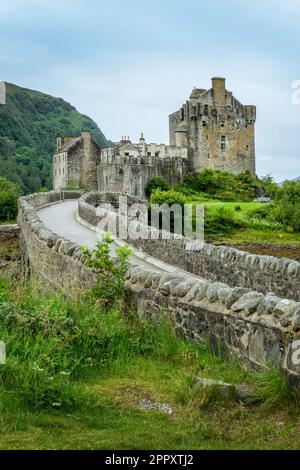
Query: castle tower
[218, 130]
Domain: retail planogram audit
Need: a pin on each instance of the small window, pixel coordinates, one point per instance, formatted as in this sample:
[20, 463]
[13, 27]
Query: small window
[148, 154]
[121, 171]
[222, 123]
[247, 148]
[126, 154]
[204, 123]
[157, 154]
[223, 142]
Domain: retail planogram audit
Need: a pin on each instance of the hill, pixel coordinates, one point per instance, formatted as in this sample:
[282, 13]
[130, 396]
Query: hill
[29, 123]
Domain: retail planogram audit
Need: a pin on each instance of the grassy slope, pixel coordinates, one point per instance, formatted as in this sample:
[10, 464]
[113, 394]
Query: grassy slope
[255, 234]
[109, 416]
[29, 123]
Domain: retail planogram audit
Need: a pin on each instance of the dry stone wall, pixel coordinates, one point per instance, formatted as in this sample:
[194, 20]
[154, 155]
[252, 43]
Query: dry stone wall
[218, 263]
[57, 260]
[259, 328]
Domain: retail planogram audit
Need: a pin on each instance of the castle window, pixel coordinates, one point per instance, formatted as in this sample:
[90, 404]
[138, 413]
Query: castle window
[247, 148]
[204, 124]
[157, 154]
[182, 114]
[126, 154]
[121, 171]
[223, 142]
[148, 154]
[222, 123]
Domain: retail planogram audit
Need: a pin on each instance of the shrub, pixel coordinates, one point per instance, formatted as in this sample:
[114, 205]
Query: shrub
[170, 197]
[8, 206]
[110, 272]
[155, 184]
[216, 184]
[221, 222]
[286, 210]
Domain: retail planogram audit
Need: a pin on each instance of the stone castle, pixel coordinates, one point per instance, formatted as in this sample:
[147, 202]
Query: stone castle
[211, 130]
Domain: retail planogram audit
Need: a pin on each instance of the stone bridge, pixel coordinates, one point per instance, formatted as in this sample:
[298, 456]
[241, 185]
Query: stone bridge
[246, 304]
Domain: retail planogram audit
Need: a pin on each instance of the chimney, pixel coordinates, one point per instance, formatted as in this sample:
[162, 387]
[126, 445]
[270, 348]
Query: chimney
[218, 85]
[58, 143]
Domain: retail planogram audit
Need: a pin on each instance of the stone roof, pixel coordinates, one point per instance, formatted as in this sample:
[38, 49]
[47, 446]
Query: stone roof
[71, 144]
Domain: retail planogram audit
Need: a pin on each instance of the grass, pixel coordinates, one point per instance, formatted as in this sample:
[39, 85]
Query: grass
[75, 376]
[252, 231]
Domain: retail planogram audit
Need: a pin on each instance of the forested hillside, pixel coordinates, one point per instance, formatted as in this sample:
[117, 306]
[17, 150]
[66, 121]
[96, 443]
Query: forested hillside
[29, 123]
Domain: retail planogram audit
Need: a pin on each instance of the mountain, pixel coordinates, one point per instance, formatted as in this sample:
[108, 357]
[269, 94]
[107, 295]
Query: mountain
[29, 123]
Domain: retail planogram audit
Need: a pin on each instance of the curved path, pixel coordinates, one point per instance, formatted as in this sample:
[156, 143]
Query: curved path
[62, 219]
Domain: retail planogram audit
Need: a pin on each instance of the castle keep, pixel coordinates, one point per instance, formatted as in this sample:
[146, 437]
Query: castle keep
[211, 130]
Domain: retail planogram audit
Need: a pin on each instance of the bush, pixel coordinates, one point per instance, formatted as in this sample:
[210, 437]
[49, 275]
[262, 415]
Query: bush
[156, 183]
[170, 197]
[216, 184]
[110, 272]
[221, 222]
[8, 206]
[286, 210]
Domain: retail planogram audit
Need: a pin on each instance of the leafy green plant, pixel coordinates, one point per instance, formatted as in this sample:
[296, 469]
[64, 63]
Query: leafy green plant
[167, 197]
[110, 271]
[8, 206]
[156, 183]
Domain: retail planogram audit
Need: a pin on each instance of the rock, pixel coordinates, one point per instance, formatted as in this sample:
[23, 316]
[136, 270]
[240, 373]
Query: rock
[295, 320]
[268, 304]
[242, 392]
[213, 289]
[152, 406]
[285, 307]
[246, 393]
[224, 293]
[202, 288]
[235, 295]
[225, 390]
[193, 292]
[183, 288]
[248, 303]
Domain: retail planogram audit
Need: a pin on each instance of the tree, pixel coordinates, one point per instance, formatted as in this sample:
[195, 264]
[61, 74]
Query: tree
[8, 206]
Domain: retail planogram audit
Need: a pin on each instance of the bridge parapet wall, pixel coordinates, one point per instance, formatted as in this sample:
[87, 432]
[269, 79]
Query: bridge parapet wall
[217, 263]
[259, 328]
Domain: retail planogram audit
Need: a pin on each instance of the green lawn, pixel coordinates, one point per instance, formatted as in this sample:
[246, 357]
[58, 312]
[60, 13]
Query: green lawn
[115, 420]
[251, 233]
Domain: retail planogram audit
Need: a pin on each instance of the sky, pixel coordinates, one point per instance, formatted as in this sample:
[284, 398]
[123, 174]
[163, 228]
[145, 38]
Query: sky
[129, 64]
